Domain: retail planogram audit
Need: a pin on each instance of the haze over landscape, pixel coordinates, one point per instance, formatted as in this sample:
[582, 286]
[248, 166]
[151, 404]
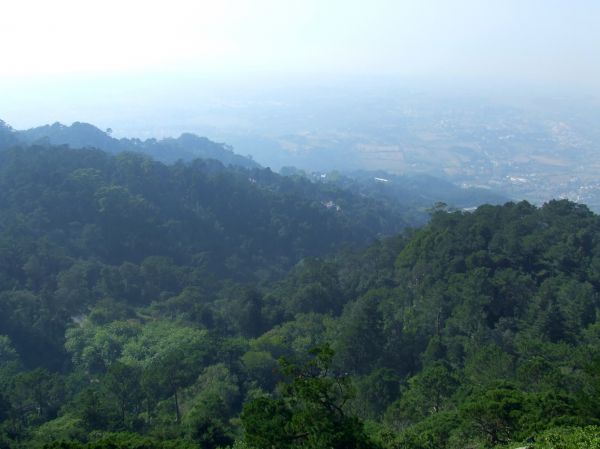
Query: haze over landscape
[300, 224]
[503, 94]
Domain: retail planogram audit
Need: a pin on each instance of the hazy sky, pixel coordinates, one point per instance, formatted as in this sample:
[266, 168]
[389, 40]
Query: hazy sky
[546, 39]
[60, 49]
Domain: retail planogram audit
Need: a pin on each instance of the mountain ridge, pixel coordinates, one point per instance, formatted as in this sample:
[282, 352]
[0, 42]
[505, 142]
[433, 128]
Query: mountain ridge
[79, 135]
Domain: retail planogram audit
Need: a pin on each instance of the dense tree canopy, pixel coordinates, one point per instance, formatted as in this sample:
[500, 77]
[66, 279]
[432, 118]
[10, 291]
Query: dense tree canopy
[145, 305]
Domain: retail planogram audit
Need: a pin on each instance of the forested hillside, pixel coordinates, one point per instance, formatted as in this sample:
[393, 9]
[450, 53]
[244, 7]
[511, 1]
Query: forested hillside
[142, 229]
[416, 194]
[411, 195]
[79, 135]
[7, 136]
[193, 306]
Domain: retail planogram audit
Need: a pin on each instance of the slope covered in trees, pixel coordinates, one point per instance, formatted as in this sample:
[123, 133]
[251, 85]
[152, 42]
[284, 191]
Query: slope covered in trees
[83, 135]
[7, 136]
[413, 195]
[193, 306]
[77, 226]
[417, 194]
[125, 208]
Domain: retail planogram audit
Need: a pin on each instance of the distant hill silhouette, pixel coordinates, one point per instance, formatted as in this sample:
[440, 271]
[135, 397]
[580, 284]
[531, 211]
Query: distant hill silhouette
[415, 190]
[84, 135]
[7, 135]
[416, 195]
[412, 195]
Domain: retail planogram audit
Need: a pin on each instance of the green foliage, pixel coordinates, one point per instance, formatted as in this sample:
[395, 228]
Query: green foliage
[309, 412]
[361, 337]
[122, 440]
[156, 300]
[213, 399]
[570, 438]
[374, 393]
[495, 413]
[122, 382]
[428, 392]
[63, 428]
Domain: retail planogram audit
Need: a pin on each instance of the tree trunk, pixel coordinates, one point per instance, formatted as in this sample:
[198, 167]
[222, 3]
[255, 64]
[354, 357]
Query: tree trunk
[177, 417]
